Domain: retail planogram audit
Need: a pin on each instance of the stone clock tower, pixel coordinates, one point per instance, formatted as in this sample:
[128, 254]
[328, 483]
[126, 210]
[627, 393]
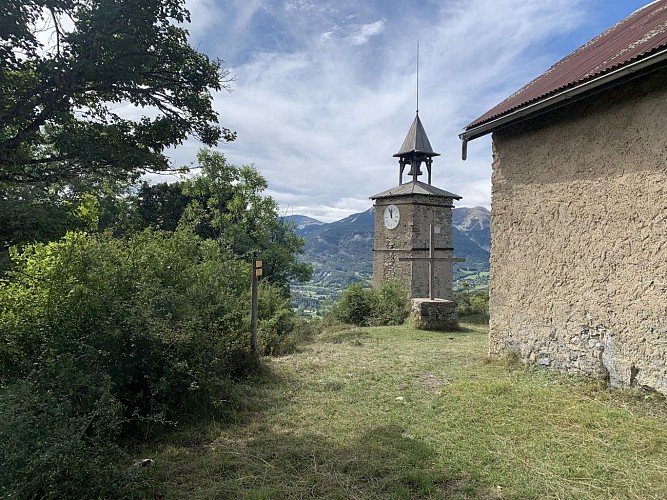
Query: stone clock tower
[413, 228]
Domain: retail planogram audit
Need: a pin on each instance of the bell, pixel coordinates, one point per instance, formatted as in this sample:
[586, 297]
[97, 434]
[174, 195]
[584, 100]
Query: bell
[412, 170]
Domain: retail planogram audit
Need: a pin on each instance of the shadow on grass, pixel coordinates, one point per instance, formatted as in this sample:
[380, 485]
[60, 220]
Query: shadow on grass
[249, 456]
[383, 462]
[236, 402]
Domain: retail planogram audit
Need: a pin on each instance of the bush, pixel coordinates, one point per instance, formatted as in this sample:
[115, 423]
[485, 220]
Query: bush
[161, 311]
[103, 337]
[58, 440]
[276, 322]
[392, 306]
[359, 305]
[355, 306]
[473, 305]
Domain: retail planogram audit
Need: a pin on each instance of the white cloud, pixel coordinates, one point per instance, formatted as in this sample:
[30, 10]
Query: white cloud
[366, 31]
[299, 5]
[325, 91]
[205, 16]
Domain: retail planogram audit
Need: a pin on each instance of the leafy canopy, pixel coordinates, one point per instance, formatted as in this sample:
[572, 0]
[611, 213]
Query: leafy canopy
[226, 203]
[69, 93]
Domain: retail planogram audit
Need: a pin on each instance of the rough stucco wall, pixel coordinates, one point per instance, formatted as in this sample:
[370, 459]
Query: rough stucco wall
[579, 237]
[417, 212]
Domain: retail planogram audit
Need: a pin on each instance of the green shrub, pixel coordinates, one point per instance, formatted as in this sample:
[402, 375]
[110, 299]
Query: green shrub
[359, 305]
[355, 306]
[104, 339]
[391, 305]
[101, 338]
[162, 311]
[276, 322]
[58, 439]
[473, 306]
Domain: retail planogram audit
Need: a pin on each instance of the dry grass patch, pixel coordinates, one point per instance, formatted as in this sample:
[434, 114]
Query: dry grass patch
[391, 412]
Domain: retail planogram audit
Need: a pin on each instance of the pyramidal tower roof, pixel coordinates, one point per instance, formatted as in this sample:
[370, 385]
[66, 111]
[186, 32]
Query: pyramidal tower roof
[416, 141]
[413, 188]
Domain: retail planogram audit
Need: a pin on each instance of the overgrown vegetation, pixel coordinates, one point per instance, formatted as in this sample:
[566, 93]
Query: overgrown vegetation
[116, 333]
[124, 308]
[472, 306]
[106, 337]
[361, 305]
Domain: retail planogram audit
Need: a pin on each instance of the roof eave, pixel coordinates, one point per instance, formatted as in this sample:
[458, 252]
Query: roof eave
[560, 98]
[416, 151]
[407, 189]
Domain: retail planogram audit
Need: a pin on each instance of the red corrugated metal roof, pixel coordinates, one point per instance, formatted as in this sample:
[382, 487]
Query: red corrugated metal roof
[637, 36]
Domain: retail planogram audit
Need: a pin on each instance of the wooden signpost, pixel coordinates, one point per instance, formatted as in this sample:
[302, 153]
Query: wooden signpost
[256, 272]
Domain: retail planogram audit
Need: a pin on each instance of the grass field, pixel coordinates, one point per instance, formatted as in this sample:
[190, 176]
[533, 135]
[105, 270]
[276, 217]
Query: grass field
[397, 413]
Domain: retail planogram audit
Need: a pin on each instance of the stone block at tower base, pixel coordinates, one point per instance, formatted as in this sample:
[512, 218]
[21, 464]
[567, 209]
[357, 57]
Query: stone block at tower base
[434, 314]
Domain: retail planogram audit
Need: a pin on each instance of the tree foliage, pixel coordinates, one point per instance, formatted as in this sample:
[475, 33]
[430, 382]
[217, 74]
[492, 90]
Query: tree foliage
[67, 101]
[226, 203]
[472, 305]
[40, 213]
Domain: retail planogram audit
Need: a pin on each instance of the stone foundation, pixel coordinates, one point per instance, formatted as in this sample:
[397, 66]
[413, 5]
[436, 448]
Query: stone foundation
[436, 314]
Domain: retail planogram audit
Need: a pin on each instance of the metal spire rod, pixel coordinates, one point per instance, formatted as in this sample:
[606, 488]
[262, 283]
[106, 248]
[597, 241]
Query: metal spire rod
[417, 76]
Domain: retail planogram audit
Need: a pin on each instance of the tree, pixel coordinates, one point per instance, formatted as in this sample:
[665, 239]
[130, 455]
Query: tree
[233, 210]
[62, 101]
[161, 205]
[32, 213]
[225, 203]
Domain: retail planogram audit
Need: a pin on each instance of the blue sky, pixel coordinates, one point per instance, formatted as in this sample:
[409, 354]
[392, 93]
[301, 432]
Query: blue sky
[324, 91]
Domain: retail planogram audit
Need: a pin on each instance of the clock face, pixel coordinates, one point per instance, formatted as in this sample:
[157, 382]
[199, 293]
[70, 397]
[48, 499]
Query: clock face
[391, 217]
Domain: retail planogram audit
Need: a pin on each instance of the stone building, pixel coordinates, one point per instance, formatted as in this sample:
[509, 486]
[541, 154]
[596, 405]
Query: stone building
[402, 253]
[413, 234]
[579, 209]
